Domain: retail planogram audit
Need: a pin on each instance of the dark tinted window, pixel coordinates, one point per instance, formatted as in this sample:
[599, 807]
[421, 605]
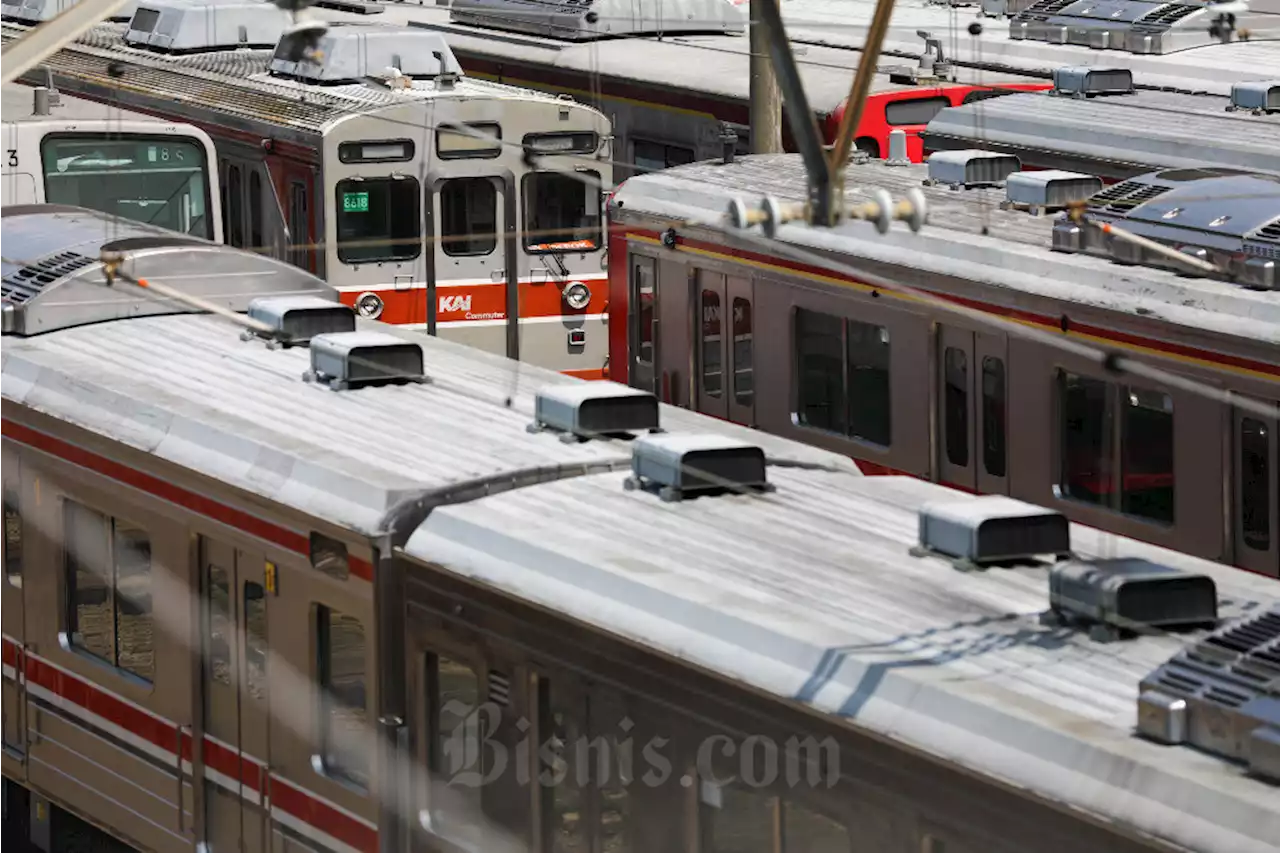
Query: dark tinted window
[299, 227]
[914, 110]
[12, 537]
[645, 305]
[255, 210]
[955, 405]
[561, 212]
[233, 208]
[1146, 474]
[1086, 439]
[712, 369]
[378, 220]
[1255, 484]
[993, 416]
[819, 348]
[743, 387]
[468, 216]
[869, 416]
[652, 156]
[343, 677]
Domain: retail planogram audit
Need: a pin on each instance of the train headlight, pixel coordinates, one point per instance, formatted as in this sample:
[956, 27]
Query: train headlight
[369, 305]
[577, 295]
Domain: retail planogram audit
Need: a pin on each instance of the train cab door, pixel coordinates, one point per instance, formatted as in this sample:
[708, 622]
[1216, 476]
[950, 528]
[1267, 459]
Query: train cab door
[474, 274]
[236, 781]
[12, 602]
[1256, 494]
[723, 347]
[972, 412]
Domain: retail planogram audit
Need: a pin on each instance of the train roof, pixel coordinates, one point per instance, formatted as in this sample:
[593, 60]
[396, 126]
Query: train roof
[1114, 136]
[186, 389]
[811, 594]
[968, 236]
[711, 63]
[19, 106]
[1192, 62]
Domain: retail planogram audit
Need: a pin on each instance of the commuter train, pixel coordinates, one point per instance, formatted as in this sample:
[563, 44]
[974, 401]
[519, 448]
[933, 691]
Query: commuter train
[522, 619]
[823, 350]
[429, 199]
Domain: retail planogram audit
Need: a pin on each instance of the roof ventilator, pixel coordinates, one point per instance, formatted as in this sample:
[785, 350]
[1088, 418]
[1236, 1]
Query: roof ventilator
[351, 53]
[1221, 695]
[594, 410]
[295, 320]
[187, 26]
[1091, 81]
[971, 168]
[1048, 190]
[1256, 96]
[681, 466]
[991, 529]
[583, 20]
[354, 359]
[39, 11]
[1122, 597]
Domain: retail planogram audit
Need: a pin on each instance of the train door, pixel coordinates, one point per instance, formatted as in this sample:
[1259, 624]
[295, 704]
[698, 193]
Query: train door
[642, 323]
[972, 421]
[236, 779]
[723, 347]
[12, 604]
[474, 272]
[1256, 496]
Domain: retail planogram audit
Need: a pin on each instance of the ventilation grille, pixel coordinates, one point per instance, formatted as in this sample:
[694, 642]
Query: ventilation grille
[1269, 233]
[499, 688]
[1137, 194]
[1166, 15]
[26, 283]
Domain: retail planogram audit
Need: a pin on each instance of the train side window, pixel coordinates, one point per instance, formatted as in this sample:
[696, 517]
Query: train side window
[108, 580]
[805, 831]
[255, 640]
[1146, 471]
[914, 110]
[743, 375]
[12, 537]
[379, 219]
[868, 392]
[642, 269]
[468, 216]
[566, 811]
[712, 369]
[342, 676]
[819, 348]
[255, 210]
[739, 821]
[220, 624]
[299, 226]
[993, 416]
[561, 212]
[955, 369]
[455, 748]
[1086, 444]
[653, 156]
[328, 555]
[233, 207]
[1255, 484]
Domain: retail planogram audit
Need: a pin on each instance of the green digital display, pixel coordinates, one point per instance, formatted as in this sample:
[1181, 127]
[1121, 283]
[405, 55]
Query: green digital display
[355, 202]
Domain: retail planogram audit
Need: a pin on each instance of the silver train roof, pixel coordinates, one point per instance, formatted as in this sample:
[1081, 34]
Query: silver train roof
[19, 106]
[1114, 136]
[1014, 254]
[810, 595]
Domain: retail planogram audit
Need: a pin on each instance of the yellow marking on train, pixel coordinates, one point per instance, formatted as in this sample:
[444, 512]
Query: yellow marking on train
[269, 577]
[580, 93]
[907, 297]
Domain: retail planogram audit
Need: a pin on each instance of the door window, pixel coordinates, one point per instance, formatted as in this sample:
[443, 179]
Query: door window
[468, 216]
[955, 404]
[712, 369]
[379, 219]
[1255, 484]
[743, 376]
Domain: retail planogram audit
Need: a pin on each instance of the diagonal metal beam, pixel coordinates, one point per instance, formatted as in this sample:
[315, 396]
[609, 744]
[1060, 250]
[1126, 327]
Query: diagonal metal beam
[857, 102]
[48, 38]
[804, 126]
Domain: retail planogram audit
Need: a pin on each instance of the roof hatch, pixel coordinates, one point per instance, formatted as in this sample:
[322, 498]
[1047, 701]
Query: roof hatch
[190, 26]
[1227, 217]
[584, 20]
[1221, 695]
[39, 11]
[1136, 26]
[350, 53]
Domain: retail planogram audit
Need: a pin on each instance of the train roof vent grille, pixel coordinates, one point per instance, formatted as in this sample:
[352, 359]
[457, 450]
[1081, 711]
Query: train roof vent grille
[584, 20]
[1221, 695]
[1134, 26]
[593, 410]
[39, 11]
[354, 359]
[1125, 596]
[26, 282]
[295, 320]
[1139, 194]
[1088, 81]
[992, 529]
[1049, 189]
[352, 53]
[1256, 96]
[193, 26]
[1168, 14]
[971, 168]
[683, 466]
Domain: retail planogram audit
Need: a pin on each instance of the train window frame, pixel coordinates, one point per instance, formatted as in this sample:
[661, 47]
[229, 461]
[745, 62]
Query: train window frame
[300, 215]
[955, 420]
[345, 150]
[328, 762]
[393, 216]
[849, 423]
[257, 240]
[449, 242]
[666, 148]
[995, 413]
[744, 392]
[591, 212]
[13, 535]
[1262, 537]
[71, 638]
[1105, 455]
[898, 105]
[490, 153]
[206, 165]
[1141, 400]
[329, 556]
[530, 143]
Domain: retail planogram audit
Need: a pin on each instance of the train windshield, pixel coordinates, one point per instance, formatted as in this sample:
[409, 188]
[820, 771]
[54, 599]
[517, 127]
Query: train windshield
[156, 179]
[562, 212]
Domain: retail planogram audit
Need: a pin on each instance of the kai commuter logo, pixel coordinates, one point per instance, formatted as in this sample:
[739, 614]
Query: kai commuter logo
[450, 304]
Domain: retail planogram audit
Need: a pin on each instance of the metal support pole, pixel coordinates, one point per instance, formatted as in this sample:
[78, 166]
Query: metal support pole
[766, 97]
[804, 126]
[857, 102]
